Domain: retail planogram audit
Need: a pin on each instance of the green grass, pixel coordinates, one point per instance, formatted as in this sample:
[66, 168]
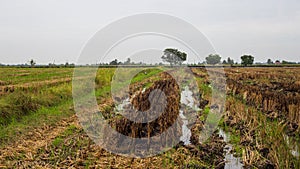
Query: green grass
[49, 116]
[21, 111]
[145, 74]
[268, 133]
[204, 88]
[27, 75]
[103, 80]
[21, 103]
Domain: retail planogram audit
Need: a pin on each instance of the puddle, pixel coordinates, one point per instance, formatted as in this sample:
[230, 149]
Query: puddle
[231, 162]
[186, 132]
[126, 102]
[186, 98]
[294, 149]
[120, 107]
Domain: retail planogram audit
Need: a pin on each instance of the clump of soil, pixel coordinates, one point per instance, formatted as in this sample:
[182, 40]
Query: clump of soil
[141, 102]
[162, 99]
[210, 152]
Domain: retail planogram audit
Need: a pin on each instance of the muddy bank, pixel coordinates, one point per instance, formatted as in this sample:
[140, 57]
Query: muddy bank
[152, 117]
[168, 110]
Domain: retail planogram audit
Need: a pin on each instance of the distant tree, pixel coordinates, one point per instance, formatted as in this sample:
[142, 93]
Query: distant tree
[247, 60]
[213, 59]
[287, 62]
[269, 61]
[230, 61]
[32, 63]
[114, 62]
[224, 62]
[128, 61]
[67, 64]
[174, 56]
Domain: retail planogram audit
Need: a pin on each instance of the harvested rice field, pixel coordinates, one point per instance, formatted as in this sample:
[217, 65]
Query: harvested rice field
[258, 128]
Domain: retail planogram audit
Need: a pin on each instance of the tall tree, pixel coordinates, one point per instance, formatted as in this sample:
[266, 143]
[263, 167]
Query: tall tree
[128, 61]
[213, 59]
[32, 63]
[247, 60]
[230, 61]
[269, 61]
[174, 56]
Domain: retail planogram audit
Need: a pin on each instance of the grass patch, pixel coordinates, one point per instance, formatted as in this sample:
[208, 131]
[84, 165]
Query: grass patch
[45, 115]
[20, 103]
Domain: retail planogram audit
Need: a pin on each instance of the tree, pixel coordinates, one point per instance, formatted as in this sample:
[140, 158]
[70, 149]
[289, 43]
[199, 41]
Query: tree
[174, 56]
[247, 60]
[213, 59]
[230, 61]
[127, 62]
[32, 63]
[270, 61]
[114, 62]
[288, 62]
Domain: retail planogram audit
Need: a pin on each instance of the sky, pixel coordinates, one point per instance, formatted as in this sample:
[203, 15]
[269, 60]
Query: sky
[55, 31]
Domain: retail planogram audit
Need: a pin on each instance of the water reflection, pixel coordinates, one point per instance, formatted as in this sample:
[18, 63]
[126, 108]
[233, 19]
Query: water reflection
[187, 99]
[294, 149]
[231, 162]
[126, 102]
[186, 132]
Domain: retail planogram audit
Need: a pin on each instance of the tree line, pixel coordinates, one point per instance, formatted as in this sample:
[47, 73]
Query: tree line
[173, 57]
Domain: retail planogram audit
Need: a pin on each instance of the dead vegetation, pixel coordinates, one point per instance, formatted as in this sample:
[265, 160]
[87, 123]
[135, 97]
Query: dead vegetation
[262, 109]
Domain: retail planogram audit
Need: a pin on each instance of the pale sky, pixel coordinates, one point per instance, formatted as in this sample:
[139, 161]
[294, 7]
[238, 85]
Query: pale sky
[56, 30]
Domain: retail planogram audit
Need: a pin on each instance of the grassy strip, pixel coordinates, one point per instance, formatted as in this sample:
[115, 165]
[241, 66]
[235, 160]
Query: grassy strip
[14, 76]
[20, 103]
[45, 115]
[103, 80]
[20, 112]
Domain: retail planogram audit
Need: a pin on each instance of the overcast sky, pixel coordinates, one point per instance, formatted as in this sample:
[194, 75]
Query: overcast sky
[56, 30]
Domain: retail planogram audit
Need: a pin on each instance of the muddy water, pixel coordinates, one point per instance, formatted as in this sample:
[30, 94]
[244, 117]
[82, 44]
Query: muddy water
[121, 106]
[231, 162]
[186, 132]
[125, 102]
[186, 98]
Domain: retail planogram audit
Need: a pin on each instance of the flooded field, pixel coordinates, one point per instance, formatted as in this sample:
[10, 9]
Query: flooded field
[259, 127]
